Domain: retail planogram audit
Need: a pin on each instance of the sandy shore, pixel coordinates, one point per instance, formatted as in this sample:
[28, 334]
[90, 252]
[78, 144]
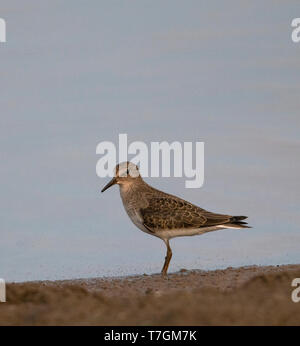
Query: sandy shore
[234, 296]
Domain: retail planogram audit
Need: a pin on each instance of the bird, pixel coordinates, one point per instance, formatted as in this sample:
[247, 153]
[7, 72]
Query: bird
[164, 215]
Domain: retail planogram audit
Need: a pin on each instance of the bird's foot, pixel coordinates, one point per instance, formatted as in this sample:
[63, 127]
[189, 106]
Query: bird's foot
[164, 275]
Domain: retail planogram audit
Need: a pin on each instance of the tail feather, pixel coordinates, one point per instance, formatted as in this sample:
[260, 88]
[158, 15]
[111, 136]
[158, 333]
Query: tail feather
[235, 225]
[236, 222]
[238, 218]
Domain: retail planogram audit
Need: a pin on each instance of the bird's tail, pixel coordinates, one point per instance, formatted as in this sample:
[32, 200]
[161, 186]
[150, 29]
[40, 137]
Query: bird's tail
[236, 222]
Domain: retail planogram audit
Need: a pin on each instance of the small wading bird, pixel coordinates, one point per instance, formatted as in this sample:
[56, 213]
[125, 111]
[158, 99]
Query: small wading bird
[163, 215]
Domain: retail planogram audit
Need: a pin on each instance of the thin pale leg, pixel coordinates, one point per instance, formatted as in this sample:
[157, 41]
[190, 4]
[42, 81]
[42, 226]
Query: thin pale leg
[167, 258]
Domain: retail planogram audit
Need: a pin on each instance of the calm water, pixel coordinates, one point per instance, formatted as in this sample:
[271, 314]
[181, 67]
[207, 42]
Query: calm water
[74, 74]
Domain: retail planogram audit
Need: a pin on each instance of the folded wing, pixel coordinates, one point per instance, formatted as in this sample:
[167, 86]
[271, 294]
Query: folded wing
[173, 213]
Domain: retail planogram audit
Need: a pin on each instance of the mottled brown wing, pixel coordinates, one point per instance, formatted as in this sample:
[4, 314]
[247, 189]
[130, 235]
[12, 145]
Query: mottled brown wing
[173, 213]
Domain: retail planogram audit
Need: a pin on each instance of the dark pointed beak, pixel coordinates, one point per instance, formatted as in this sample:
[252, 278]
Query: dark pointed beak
[111, 183]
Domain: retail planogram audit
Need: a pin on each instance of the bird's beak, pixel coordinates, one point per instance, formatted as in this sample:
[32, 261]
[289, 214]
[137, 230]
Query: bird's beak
[111, 183]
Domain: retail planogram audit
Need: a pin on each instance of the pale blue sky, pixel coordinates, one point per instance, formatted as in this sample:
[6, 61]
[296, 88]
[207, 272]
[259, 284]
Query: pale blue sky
[74, 73]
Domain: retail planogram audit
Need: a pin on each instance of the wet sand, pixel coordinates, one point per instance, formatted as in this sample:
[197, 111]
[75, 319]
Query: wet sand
[234, 296]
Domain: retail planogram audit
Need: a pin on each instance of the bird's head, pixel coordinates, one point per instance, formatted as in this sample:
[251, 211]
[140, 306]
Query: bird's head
[126, 173]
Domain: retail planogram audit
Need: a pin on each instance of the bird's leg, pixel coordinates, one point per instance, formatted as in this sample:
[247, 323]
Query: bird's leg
[167, 258]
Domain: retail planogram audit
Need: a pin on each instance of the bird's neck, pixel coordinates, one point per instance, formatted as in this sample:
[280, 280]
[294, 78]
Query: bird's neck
[131, 187]
[126, 187]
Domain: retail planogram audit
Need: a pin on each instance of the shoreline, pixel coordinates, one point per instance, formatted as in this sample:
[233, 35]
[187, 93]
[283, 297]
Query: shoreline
[253, 267]
[251, 295]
